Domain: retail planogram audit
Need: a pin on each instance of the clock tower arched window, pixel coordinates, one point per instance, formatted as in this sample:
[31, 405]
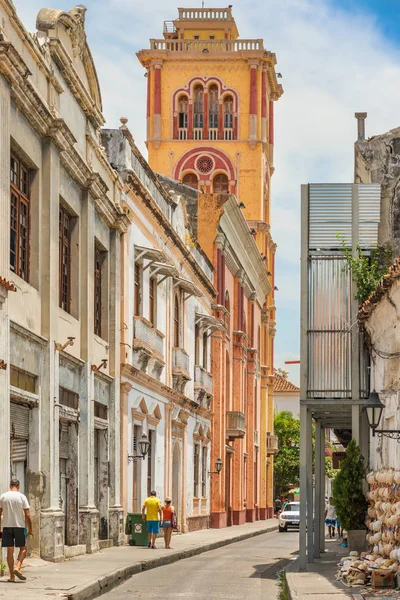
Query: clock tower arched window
[198, 112]
[220, 184]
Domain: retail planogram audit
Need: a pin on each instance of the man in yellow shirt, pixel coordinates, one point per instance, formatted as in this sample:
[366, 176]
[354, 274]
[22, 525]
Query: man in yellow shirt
[151, 513]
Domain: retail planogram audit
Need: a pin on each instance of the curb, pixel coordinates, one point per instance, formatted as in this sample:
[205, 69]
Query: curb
[97, 587]
[287, 586]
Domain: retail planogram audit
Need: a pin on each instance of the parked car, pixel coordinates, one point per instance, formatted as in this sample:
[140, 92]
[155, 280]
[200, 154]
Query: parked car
[290, 516]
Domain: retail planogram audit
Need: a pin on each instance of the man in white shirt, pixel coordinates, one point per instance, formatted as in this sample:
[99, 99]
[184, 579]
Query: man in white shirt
[14, 512]
[330, 517]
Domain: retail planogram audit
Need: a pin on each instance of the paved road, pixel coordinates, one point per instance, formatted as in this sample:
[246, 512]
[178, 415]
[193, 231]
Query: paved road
[242, 571]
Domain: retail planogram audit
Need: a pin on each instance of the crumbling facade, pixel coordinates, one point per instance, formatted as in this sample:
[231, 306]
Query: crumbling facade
[61, 226]
[167, 295]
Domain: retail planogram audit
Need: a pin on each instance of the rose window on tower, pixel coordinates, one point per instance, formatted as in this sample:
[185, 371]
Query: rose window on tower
[205, 165]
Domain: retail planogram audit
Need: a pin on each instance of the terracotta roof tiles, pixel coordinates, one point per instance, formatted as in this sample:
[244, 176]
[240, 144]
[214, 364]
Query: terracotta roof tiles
[284, 385]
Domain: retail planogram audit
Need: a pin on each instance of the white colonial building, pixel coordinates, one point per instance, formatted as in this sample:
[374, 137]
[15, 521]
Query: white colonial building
[166, 324]
[60, 237]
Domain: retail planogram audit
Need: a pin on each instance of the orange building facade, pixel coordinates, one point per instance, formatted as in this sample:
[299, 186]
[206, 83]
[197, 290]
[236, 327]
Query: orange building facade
[210, 125]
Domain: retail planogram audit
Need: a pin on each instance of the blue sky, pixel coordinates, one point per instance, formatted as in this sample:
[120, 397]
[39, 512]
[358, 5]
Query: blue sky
[336, 57]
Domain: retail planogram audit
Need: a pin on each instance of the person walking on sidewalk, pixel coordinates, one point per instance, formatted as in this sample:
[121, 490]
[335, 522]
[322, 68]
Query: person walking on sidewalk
[330, 518]
[14, 512]
[151, 513]
[168, 521]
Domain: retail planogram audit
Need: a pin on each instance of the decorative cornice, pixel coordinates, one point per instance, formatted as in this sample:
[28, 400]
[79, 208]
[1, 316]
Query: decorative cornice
[137, 376]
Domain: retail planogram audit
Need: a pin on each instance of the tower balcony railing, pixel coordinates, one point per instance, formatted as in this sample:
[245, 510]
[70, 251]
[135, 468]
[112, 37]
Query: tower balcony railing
[197, 134]
[228, 133]
[207, 46]
[205, 14]
[213, 134]
[183, 133]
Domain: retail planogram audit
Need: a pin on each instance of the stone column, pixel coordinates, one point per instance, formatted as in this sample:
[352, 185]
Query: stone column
[264, 104]
[116, 513]
[218, 408]
[157, 66]
[250, 471]
[88, 514]
[253, 65]
[4, 272]
[52, 518]
[124, 443]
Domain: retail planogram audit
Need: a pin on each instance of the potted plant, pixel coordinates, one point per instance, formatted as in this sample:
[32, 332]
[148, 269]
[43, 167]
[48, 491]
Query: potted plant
[349, 499]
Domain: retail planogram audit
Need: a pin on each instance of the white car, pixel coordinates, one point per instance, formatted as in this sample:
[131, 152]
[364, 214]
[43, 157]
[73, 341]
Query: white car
[290, 516]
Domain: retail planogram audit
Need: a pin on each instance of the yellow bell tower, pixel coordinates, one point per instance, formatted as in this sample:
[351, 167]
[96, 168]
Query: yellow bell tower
[210, 125]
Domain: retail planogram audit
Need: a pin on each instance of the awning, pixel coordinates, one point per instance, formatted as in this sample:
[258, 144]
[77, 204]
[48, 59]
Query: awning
[209, 322]
[188, 287]
[166, 269]
[150, 254]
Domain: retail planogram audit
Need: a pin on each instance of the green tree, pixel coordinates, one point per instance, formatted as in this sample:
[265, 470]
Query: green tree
[287, 461]
[348, 495]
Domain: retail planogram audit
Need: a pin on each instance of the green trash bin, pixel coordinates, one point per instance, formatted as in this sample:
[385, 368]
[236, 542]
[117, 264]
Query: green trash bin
[137, 529]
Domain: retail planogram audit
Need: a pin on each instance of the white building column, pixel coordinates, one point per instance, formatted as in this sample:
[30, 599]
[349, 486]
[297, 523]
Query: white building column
[4, 272]
[52, 518]
[116, 512]
[89, 515]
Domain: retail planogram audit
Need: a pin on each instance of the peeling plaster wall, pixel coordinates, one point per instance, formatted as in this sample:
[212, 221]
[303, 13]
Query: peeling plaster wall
[377, 160]
[383, 327]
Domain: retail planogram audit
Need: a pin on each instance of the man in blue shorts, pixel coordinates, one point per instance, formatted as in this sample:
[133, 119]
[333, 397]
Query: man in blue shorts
[151, 513]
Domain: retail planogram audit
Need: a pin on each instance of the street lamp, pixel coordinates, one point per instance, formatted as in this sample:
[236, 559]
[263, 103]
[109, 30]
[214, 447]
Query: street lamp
[374, 409]
[218, 466]
[144, 446]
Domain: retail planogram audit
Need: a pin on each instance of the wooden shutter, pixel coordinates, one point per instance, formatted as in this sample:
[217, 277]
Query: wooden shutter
[19, 429]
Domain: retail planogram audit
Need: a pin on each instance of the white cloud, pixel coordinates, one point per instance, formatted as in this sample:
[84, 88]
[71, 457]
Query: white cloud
[334, 62]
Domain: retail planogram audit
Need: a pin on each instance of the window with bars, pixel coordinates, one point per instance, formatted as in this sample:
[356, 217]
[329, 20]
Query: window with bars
[98, 261]
[198, 111]
[196, 465]
[228, 112]
[150, 463]
[183, 111]
[138, 290]
[64, 229]
[204, 472]
[68, 398]
[153, 301]
[19, 219]
[213, 107]
[177, 322]
[205, 351]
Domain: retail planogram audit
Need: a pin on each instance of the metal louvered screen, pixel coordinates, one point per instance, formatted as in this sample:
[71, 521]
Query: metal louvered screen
[330, 213]
[18, 450]
[64, 440]
[19, 420]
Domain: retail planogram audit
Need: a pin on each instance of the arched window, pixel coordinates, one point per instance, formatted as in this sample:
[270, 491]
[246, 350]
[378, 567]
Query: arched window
[220, 184]
[198, 107]
[213, 107]
[183, 112]
[191, 180]
[228, 112]
[177, 322]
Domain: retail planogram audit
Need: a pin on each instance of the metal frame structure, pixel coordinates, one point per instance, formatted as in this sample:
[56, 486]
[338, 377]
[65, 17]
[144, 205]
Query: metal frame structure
[333, 375]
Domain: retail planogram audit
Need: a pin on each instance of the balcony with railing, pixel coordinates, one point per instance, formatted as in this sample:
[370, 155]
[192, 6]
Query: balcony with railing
[249, 47]
[180, 369]
[197, 133]
[205, 14]
[203, 385]
[182, 133]
[213, 133]
[148, 347]
[228, 133]
[235, 424]
[272, 444]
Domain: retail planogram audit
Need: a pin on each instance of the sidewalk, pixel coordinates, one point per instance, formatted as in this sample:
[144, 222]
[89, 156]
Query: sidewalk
[86, 577]
[319, 582]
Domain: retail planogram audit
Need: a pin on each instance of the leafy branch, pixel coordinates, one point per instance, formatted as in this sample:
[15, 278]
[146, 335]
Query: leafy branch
[366, 269]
